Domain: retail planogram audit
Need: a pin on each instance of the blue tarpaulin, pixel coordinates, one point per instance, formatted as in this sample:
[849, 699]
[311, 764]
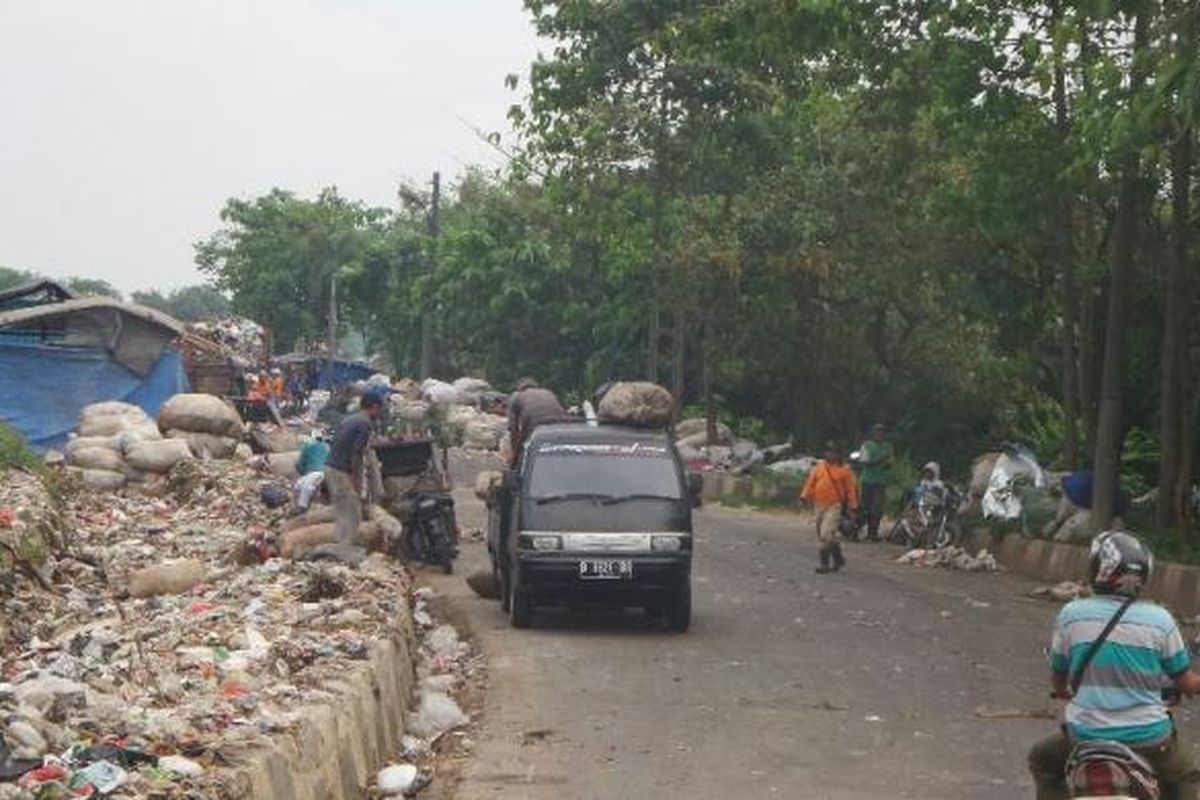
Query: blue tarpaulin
[43, 388]
[338, 373]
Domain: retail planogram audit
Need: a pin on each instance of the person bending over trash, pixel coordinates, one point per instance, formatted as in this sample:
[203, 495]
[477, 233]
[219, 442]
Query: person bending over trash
[310, 465]
[833, 492]
[345, 467]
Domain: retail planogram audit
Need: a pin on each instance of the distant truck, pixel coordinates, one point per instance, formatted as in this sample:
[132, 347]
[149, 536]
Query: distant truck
[595, 515]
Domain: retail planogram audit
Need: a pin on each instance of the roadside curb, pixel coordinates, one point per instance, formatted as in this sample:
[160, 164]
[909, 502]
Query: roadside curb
[1174, 585]
[340, 743]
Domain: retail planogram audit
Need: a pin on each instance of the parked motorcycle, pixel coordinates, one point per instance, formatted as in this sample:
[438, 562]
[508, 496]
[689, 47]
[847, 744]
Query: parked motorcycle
[424, 504]
[433, 533]
[928, 521]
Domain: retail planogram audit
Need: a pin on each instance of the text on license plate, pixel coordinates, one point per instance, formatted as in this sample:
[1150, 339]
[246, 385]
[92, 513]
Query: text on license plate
[606, 570]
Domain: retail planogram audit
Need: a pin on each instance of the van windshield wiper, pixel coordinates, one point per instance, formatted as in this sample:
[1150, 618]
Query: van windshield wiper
[560, 498]
[621, 498]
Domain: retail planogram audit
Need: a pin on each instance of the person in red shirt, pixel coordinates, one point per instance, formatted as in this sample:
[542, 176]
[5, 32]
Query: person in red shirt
[832, 490]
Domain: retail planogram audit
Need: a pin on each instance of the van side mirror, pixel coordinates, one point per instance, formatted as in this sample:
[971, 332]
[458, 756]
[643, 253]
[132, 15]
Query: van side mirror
[695, 485]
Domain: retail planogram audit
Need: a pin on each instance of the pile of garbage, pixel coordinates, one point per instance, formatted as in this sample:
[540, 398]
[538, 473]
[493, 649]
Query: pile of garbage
[147, 660]
[726, 454]
[117, 443]
[464, 411]
[244, 339]
[447, 667]
[951, 558]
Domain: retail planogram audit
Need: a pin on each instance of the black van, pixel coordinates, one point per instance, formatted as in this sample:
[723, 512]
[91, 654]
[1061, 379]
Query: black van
[596, 514]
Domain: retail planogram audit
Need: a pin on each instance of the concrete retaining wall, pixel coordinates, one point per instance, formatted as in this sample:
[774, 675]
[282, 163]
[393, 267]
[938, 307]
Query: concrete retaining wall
[1174, 585]
[343, 740]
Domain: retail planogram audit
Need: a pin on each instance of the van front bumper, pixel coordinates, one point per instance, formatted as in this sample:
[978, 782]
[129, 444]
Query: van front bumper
[559, 576]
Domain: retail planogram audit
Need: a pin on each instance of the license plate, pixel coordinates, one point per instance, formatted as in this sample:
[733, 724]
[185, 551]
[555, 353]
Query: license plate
[611, 570]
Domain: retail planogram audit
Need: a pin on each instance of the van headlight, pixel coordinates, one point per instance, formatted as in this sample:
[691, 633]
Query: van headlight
[666, 543]
[543, 541]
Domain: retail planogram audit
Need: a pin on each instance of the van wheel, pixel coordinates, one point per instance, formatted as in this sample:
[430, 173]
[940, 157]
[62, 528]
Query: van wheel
[679, 611]
[520, 605]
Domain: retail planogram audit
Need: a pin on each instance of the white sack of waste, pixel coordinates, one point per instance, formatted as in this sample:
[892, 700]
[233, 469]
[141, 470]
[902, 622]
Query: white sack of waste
[484, 432]
[636, 403]
[158, 457]
[109, 418]
[206, 445]
[95, 458]
[436, 714]
[101, 480]
[439, 393]
[84, 442]
[200, 413]
[793, 466]
[396, 779]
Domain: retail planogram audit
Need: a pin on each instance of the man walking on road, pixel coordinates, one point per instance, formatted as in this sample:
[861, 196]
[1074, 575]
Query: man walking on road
[345, 466]
[877, 455]
[832, 491]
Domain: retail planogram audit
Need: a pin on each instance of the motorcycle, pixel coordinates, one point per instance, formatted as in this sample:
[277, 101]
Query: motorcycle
[1110, 770]
[425, 506]
[433, 536]
[927, 521]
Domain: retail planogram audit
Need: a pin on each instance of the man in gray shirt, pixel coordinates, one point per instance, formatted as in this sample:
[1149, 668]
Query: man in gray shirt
[530, 406]
[344, 467]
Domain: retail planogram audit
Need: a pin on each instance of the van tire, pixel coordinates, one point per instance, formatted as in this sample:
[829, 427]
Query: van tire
[520, 604]
[679, 609]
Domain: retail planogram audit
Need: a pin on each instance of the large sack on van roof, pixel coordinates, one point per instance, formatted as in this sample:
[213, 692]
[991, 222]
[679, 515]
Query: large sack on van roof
[200, 413]
[637, 403]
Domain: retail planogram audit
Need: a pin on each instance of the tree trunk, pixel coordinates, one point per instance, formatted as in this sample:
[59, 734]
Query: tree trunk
[1086, 368]
[653, 335]
[1068, 284]
[1174, 332]
[710, 399]
[1187, 460]
[678, 358]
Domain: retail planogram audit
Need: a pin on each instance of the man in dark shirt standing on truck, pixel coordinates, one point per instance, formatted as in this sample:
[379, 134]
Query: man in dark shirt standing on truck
[530, 406]
[344, 467]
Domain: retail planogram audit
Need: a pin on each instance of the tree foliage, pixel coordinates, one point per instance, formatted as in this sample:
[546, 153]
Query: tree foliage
[966, 219]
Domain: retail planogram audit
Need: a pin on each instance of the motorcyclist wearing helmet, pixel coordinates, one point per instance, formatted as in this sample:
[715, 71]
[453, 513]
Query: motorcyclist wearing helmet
[931, 486]
[1119, 697]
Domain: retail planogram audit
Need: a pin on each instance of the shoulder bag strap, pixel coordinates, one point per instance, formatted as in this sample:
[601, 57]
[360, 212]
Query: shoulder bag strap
[1077, 677]
[836, 486]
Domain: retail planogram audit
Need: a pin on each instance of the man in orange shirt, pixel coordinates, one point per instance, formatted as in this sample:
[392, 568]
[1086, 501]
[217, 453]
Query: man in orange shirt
[830, 489]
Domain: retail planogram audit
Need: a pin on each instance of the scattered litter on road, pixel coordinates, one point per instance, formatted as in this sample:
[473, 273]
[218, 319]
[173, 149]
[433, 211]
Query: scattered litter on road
[1000, 712]
[1061, 592]
[951, 558]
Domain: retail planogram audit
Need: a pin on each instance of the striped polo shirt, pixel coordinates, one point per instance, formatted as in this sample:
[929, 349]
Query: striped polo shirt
[1120, 698]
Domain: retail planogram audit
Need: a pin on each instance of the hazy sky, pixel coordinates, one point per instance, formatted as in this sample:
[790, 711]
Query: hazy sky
[125, 124]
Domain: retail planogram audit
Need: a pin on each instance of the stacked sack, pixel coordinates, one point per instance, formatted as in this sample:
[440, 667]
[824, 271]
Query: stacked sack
[210, 427]
[117, 442]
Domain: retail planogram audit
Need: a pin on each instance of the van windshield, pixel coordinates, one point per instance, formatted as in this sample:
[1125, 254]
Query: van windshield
[604, 471]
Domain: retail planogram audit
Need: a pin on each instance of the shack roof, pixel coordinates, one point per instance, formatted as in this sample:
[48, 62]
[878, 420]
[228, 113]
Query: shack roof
[135, 335]
[34, 293]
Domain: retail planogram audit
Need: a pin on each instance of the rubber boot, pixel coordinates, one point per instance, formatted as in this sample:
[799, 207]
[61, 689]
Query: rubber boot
[839, 560]
[824, 556]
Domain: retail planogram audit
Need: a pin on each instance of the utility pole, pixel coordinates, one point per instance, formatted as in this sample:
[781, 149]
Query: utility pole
[333, 324]
[427, 315]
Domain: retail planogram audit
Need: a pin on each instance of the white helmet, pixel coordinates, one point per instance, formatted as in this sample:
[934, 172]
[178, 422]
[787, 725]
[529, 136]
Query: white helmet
[935, 468]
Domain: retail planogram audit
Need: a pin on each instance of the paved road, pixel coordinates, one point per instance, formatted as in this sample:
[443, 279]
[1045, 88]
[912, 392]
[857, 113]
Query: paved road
[861, 685]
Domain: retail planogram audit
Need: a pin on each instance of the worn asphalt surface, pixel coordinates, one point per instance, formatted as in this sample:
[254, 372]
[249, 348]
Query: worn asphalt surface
[885, 681]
